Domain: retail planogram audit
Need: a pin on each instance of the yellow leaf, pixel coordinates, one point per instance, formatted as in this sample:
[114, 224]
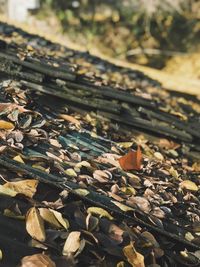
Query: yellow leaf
[26, 187]
[81, 192]
[99, 211]
[1, 255]
[39, 260]
[7, 191]
[125, 145]
[129, 190]
[189, 185]
[5, 125]
[35, 225]
[49, 217]
[72, 243]
[120, 264]
[71, 172]
[133, 257]
[19, 159]
[64, 222]
[121, 206]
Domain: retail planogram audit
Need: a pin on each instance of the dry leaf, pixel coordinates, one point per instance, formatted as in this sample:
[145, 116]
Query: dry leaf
[132, 160]
[70, 119]
[5, 125]
[37, 260]
[81, 192]
[49, 217]
[18, 159]
[70, 172]
[133, 257]
[122, 206]
[35, 225]
[189, 185]
[26, 187]
[64, 222]
[140, 202]
[7, 191]
[72, 243]
[99, 211]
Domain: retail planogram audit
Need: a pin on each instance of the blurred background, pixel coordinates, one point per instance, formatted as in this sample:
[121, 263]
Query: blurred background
[163, 34]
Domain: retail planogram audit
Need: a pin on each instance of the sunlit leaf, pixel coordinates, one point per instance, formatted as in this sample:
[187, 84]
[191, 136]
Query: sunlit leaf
[99, 211]
[5, 125]
[122, 206]
[133, 257]
[189, 185]
[64, 222]
[70, 119]
[26, 187]
[49, 217]
[37, 260]
[72, 243]
[35, 225]
[81, 192]
[18, 159]
[7, 191]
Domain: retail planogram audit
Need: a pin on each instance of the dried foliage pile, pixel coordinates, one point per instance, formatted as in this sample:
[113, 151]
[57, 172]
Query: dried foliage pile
[82, 189]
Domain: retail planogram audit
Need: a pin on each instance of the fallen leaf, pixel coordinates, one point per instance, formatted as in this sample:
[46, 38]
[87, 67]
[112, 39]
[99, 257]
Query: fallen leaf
[5, 125]
[99, 211]
[7, 191]
[81, 192]
[64, 222]
[189, 185]
[133, 257]
[1, 255]
[37, 260]
[125, 145]
[72, 243]
[26, 187]
[70, 119]
[132, 160]
[35, 225]
[140, 202]
[49, 217]
[122, 206]
[70, 172]
[18, 159]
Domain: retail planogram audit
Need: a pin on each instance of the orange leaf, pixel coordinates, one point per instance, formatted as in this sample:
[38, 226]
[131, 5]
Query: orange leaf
[69, 119]
[132, 160]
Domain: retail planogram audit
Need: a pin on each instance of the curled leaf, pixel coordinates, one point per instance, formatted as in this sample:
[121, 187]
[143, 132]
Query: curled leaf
[99, 211]
[72, 243]
[35, 225]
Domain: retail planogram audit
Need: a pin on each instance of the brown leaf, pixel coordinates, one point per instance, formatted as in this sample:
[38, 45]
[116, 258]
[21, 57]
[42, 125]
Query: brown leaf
[140, 202]
[49, 217]
[37, 260]
[26, 187]
[72, 243]
[35, 225]
[99, 211]
[132, 160]
[133, 257]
